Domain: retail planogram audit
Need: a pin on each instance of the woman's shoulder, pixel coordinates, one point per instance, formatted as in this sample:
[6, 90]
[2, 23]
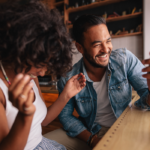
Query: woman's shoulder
[2, 98]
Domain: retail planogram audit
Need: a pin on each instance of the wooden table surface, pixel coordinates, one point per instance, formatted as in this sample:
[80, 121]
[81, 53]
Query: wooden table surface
[131, 131]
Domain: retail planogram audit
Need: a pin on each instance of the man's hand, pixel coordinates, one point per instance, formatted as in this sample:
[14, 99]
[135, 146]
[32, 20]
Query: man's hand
[85, 135]
[74, 85]
[147, 70]
[94, 141]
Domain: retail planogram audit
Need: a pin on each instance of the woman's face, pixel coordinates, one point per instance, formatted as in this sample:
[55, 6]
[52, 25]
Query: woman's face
[37, 71]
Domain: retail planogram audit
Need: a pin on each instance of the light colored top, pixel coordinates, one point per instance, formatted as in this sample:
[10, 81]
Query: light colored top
[104, 115]
[35, 135]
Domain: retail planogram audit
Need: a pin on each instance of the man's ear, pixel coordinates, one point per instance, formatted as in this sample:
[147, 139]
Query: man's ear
[79, 47]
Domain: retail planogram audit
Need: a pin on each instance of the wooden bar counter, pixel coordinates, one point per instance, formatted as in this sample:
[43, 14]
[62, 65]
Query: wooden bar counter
[131, 131]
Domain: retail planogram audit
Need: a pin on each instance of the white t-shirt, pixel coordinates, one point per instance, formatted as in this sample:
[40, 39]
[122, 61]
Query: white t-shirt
[35, 135]
[104, 115]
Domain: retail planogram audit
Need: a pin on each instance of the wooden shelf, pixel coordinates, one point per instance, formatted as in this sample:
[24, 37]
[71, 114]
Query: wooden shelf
[58, 3]
[49, 89]
[93, 5]
[129, 16]
[129, 34]
[118, 36]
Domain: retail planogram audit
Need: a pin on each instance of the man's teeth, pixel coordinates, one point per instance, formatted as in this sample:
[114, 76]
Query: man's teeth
[103, 55]
[32, 76]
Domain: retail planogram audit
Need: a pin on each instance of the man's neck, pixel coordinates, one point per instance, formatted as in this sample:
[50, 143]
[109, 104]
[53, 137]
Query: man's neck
[94, 73]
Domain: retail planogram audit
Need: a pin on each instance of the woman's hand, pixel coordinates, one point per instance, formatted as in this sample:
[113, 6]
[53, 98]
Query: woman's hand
[147, 70]
[21, 94]
[74, 85]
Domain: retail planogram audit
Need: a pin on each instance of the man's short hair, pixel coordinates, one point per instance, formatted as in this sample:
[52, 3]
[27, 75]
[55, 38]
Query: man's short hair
[83, 23]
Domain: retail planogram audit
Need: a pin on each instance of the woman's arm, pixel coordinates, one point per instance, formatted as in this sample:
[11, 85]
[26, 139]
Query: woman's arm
[72, 87]
[17, 136]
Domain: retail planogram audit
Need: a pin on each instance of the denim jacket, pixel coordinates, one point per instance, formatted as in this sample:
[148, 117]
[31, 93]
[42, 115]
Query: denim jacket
[123, 73]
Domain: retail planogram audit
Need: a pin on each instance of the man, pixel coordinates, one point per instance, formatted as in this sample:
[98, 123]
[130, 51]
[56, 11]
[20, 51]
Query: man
[110, 77]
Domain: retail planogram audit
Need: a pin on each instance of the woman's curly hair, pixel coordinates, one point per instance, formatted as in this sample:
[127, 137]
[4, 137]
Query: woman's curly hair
[31, 33]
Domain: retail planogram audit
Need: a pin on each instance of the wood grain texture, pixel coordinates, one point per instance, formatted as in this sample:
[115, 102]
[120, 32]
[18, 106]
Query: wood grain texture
[58, 3]
[129, 34]
[50, 97]
[93, 5]
[131, 131]
[128, 16]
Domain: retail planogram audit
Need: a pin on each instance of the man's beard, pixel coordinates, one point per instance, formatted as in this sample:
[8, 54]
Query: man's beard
[92, 61]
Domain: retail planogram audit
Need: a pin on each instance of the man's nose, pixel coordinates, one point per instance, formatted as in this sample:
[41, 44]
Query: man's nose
[105, 48]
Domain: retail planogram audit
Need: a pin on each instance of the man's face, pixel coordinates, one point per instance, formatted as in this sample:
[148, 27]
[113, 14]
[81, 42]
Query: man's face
[97, 46]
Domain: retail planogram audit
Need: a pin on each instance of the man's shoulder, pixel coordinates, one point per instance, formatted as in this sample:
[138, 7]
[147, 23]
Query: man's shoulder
[119, 56]
[118, 52]
[121, 53]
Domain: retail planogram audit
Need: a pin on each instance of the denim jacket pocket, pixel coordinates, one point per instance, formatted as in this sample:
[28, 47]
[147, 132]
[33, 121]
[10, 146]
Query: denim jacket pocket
[121, 93]
[84, 106]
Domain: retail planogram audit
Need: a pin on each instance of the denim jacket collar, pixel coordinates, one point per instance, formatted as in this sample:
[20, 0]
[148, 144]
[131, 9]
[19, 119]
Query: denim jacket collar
[85, 73]
[109, 67]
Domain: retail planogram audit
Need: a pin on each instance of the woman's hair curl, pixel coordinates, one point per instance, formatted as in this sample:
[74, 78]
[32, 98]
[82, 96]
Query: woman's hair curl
[31, 33]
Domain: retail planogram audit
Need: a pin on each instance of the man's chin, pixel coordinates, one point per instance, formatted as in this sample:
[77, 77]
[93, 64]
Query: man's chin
[102, 65]
[99, 65]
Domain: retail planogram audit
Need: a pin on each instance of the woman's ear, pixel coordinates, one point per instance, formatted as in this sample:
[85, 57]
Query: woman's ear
[79, 47]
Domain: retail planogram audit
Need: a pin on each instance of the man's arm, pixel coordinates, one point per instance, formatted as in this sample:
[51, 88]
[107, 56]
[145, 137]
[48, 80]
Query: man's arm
[71, 124]
[134, 73]
[147, 76]
[86, 136]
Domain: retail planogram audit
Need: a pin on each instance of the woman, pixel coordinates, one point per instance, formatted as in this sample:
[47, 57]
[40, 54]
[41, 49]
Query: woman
[33, 40]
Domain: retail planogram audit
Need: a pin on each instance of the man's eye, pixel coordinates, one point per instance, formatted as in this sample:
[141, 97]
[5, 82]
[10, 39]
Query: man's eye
[97, 45]
[108, 41]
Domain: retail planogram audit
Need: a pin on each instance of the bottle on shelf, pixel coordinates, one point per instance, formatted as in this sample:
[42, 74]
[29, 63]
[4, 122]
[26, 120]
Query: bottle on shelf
[105, 15]
[76, 4]
[83, 2]
[132, 31]
[124, 13]
[93, 1]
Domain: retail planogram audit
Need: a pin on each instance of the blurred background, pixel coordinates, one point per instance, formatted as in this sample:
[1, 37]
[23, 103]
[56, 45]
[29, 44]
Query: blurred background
[127, 20]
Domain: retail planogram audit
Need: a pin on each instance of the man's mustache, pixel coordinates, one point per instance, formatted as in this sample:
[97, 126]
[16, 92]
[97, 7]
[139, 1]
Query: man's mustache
[102, 54]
